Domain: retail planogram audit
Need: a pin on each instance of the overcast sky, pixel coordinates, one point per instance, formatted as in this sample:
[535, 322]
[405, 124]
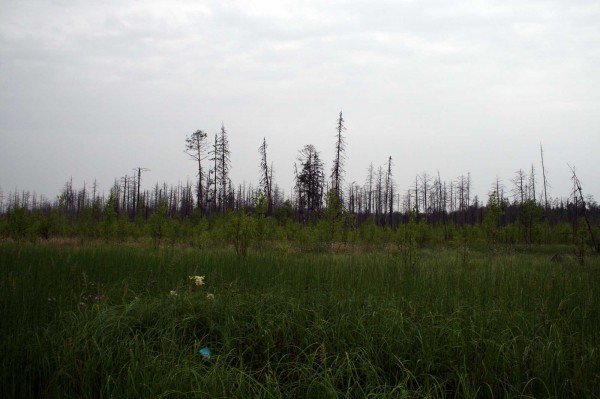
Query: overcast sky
[92, 89]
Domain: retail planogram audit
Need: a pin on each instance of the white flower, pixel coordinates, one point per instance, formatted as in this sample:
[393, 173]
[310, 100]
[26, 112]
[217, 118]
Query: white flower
[210, 296]
[198, 280]
[173, 293]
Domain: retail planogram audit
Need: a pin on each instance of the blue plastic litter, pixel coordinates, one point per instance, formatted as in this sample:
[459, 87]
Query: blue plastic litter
[205, 352]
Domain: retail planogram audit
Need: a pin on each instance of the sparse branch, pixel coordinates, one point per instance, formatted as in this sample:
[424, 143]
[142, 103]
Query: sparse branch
[266, 176]
[337, 170]
[545, 181]
[579, 192]
[139, 171]
[195, 147]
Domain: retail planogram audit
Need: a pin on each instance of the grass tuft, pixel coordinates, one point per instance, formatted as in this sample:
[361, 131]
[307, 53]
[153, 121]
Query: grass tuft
[88, 321]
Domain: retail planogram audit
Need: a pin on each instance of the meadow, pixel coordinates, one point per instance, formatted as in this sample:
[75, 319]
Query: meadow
[115, 320]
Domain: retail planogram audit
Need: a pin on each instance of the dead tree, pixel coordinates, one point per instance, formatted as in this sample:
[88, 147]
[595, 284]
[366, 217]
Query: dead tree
[379, 200]
[532, 184]
[389, 191]
[136, 202]
[337, 170]
[416, 188]
[519, 190]
[545, 181]
[578, 192]
[195, 147]
[425, 194]
[266, 176]
[369, 189]
[223, 166]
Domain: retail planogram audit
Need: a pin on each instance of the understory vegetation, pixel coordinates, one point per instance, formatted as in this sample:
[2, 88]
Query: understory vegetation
[401, 320]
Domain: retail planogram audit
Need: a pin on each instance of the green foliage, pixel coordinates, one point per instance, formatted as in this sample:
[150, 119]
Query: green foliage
[241, 230]
[369, 233]
[407, 238]
[158, 223]
[86, 226]
[310, 237]
[263, 226]
[99, 321]
[21, 224]
[561, 233]
[18, 222]
[334, 218]
[43, 226]
[491, 220]
[584, 241]
[530, 215]
[109, 219]
[286, 213]
[334, 229]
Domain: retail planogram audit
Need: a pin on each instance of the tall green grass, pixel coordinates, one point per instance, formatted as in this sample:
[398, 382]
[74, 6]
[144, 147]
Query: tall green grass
[100, 321]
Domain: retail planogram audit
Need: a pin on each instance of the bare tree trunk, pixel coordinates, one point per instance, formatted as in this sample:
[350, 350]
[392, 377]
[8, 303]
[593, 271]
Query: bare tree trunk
[266, 176]
[417, 198]
[337, 171]
[545, 182]
[577, 184]
[390, 192]
[370, 190]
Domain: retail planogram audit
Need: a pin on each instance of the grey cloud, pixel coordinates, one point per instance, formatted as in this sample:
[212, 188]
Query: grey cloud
[406, 73]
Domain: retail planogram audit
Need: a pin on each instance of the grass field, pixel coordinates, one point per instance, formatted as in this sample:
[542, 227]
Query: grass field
[88, 321]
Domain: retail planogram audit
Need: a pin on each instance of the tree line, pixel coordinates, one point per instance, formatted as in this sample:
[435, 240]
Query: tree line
[317, 195]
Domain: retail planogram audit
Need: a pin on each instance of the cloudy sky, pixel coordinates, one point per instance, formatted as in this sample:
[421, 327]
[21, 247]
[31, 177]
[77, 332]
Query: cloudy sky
[92, 89]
